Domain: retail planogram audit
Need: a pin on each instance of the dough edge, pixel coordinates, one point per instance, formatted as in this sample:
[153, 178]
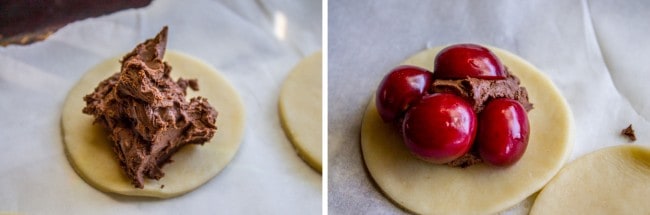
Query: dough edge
[313, 157]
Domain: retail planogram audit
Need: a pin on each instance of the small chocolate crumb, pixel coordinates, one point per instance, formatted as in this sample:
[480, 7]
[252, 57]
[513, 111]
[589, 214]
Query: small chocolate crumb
[629, 133]
[162, 186]
[465, 161]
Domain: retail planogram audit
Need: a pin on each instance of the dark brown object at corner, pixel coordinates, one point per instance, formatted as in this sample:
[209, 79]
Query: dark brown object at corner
[26, 21]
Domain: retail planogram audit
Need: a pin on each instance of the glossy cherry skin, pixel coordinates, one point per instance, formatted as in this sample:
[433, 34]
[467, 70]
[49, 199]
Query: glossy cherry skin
[467, 60]
[439, 128]
[402, 87]
[503, 132]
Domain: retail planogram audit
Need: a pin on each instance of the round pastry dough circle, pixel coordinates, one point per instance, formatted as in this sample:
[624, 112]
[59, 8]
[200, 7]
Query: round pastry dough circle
[300, 106]
[90, 152]
[426, 188]
[614, 180]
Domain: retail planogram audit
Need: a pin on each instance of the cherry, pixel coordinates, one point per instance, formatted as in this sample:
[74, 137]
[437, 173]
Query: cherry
[439, 128]
[503, 131]
[402, 87]
[467, 60]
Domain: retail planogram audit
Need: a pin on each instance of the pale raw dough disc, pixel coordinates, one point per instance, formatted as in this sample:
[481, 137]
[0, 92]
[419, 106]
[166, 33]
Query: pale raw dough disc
[614, 180]
[301, 107]
[89, 151]
[426, 188]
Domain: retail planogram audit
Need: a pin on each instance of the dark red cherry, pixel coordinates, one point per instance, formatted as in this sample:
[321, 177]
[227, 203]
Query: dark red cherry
[503, 132]
[402, 87]
[467, 60]
[439, 128]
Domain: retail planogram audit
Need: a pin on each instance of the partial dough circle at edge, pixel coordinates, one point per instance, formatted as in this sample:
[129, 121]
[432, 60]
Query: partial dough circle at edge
[612, 180]
[300, 108]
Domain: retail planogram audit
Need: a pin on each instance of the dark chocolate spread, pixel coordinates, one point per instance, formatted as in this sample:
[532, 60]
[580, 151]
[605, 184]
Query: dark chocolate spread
[480, 91]
[146, 113]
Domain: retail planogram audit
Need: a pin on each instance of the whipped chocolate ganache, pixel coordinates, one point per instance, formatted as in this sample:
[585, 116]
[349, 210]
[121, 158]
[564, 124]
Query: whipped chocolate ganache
[146, 113]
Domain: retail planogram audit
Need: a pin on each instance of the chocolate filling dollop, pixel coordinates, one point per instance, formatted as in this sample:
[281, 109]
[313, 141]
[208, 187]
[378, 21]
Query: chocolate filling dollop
[146, 113]
[479, 92]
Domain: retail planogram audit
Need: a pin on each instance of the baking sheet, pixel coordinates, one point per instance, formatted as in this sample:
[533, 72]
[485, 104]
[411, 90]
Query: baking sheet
[594, 51]
[253, 43]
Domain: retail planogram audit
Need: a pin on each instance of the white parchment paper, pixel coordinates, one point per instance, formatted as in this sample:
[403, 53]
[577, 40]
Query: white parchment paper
[594, 51]
[253, 43]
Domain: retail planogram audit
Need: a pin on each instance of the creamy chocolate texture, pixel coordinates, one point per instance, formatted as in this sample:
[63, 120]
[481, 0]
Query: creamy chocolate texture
[479, 92]
[146, 113]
